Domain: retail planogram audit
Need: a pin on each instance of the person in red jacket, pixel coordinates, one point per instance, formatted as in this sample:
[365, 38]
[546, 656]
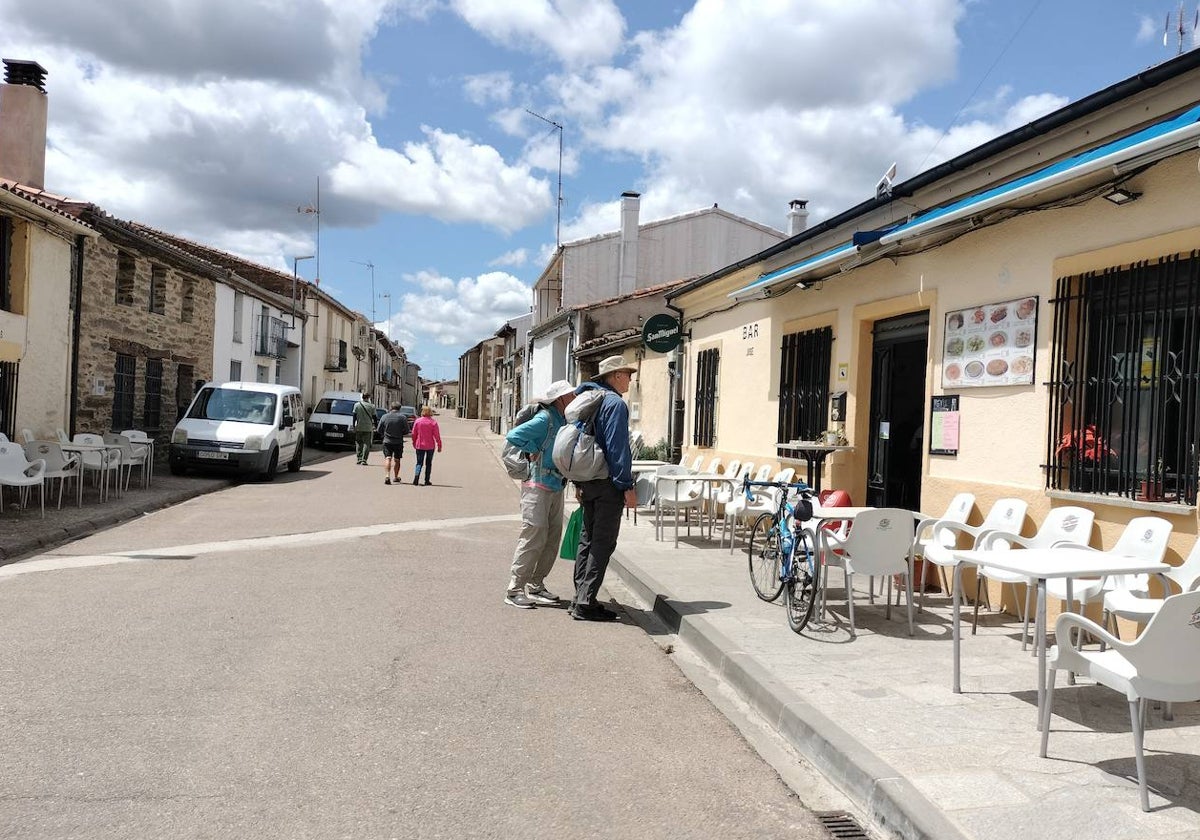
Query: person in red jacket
[425, 436]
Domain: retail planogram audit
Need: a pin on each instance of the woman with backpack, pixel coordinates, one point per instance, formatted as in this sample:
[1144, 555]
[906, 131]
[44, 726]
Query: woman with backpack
[541, 500]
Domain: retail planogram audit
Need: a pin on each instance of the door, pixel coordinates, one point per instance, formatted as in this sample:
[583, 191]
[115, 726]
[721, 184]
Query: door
[897, 421]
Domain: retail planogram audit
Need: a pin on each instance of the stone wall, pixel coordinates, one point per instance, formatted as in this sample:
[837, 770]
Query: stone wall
[108, 328]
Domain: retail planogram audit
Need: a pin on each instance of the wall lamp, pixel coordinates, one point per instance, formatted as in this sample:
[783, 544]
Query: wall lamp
[1120, 195]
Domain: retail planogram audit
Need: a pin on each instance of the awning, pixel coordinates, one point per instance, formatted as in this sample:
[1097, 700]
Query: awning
[1140, 148]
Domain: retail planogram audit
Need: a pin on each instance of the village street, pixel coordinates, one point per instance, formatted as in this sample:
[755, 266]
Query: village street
[326, 656]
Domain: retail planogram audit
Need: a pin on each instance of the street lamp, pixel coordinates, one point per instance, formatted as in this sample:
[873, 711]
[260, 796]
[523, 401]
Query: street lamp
[295, 275]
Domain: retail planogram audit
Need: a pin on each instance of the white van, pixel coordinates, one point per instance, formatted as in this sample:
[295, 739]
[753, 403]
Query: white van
[244, 427]
[332, 420]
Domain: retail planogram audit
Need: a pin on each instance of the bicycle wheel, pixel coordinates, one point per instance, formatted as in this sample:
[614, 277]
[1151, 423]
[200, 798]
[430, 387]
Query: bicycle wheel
[800, 587]
[765, 558]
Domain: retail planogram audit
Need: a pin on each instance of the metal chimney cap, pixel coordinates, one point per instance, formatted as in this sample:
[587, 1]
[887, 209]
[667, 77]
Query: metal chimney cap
[631, 195]
[30, 73]
[798, 203]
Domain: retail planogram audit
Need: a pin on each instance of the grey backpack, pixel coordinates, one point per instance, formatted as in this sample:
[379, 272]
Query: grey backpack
[577, 454]
[516, 462]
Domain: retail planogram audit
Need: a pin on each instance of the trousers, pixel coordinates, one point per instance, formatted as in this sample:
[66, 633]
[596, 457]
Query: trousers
[362, 445]
[603, 505]
[538, 542]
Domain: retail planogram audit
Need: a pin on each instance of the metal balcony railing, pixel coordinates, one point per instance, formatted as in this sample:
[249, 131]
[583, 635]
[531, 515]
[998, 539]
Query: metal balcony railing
[336, 358]
[270, 338]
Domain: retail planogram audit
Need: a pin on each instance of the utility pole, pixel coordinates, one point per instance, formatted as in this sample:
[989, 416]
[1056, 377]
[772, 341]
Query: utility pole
[558, 217]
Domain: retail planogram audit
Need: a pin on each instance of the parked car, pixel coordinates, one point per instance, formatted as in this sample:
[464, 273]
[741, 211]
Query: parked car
[409, 411]
[332, 420]
[244, 427]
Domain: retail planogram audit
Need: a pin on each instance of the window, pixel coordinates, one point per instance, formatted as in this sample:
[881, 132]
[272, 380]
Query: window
[804, 384]
[235, 371]
[158, 290]
[261, 373]
[1125, 387]
[8, 399]
[152, 409]
[6, 229]
[239, 304]
[126, 270]
[123, 374]
[704, 431]
[183, 389]
[187, 301]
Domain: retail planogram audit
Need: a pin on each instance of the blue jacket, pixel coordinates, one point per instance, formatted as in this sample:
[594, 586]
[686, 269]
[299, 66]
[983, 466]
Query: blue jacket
[612, 433]
[530, 437]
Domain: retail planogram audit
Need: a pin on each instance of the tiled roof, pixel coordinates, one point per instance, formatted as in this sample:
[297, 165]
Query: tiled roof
[46, 201]
[615, 337]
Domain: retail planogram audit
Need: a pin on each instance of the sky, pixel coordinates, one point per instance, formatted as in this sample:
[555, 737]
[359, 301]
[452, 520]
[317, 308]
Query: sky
[217, 120]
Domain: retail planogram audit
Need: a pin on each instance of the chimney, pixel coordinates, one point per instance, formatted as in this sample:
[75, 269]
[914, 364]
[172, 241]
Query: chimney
[627, 267]
[797, 216]
[23, 123]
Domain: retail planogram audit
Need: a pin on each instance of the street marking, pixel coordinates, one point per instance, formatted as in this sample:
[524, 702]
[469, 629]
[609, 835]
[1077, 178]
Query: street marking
[52, 562]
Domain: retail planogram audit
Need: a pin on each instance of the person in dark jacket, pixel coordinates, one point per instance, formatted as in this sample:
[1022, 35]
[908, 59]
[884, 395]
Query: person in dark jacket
[605, 499]
[393, 428]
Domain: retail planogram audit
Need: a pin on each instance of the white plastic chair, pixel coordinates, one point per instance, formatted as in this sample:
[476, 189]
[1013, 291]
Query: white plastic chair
[17, 471]
[62, 436]
[729, 496]
[1005, 515]
[676, 496]
[4, 438]
[1163, 664]
[27, 436]
[880, 543]
[59, 465]
[1062, 526]
[130, 456]
[1145, 537]
[697, 463]
[1140, 607]
[99, 463]
[141, 440]
[958, 511]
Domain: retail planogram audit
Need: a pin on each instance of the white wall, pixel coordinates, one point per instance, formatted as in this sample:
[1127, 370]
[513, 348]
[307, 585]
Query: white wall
[43, 394]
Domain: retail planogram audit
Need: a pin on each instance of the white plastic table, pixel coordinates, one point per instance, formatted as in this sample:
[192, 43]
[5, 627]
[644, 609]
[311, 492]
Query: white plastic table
[1041, 564]
[706, 478]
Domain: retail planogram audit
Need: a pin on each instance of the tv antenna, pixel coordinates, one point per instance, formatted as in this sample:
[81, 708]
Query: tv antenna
[558, 217]
[370, 267]
[884, 188]
[1181, 28]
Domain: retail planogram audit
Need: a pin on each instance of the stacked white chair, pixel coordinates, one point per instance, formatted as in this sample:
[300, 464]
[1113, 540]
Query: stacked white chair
[735, 508]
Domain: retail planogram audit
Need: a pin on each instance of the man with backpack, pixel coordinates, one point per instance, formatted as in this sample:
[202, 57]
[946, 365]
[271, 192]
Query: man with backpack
[604, 499]
[541, 500]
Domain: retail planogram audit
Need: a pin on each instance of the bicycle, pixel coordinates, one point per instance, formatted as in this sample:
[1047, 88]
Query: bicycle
[782, 552]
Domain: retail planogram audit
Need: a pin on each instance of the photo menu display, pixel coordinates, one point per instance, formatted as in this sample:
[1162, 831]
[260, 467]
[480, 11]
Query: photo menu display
[990, 345]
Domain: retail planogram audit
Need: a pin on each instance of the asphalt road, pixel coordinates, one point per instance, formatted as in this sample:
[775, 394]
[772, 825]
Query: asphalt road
[326, 656]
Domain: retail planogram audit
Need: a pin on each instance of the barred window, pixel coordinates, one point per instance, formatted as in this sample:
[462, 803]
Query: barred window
[704, 432]
[8, 399]
[1125, 394]
[804, 384]
[122, 416]
[152, 410]
[126, 270]
[158, 290]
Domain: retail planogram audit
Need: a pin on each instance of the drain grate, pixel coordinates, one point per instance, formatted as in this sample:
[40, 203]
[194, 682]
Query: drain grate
[842, 826]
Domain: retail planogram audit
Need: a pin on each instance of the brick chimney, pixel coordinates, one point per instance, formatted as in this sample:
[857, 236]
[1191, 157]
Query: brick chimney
[23, 123]
[797, 217]
[628, 267]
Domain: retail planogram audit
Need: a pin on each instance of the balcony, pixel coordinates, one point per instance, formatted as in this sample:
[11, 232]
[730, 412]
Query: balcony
[270, 338]
[336, 358]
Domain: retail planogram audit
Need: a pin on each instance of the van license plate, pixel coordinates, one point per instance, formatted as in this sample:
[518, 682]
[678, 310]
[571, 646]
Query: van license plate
[213, 456]
[333, 434]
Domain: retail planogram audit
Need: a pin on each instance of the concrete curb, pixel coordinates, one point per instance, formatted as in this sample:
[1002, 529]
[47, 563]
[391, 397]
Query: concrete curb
[893, 803]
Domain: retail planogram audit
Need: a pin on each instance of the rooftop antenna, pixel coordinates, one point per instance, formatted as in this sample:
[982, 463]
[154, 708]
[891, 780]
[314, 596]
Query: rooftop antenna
[1181, 28]
[315, 211]
[370, 267]
[884, 188]
[558, 218]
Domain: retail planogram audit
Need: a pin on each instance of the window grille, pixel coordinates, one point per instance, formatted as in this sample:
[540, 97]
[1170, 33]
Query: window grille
[1125, 388]
[8, 399]
[6, 228]
[804, 384]
[126, 271]
[152, 410]
[122, 416]
[705, 421]
[158, 290]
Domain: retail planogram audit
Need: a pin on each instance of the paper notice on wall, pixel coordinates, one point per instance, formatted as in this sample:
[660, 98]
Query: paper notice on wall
[943, 425]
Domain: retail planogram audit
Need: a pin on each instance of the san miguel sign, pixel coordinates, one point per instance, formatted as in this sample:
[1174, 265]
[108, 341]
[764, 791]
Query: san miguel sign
[660, 333]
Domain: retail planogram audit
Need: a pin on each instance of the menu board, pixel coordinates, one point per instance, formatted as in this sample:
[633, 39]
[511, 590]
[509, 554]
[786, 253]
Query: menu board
[943, 425]
[990, 345]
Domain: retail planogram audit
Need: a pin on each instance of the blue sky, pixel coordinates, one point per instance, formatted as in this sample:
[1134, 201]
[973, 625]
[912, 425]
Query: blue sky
[214, 119]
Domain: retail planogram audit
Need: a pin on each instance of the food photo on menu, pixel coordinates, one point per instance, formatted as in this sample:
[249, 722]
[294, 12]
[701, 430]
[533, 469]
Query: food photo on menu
[990, 345]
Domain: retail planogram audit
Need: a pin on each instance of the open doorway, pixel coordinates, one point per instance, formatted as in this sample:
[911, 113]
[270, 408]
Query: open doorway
[898, 369]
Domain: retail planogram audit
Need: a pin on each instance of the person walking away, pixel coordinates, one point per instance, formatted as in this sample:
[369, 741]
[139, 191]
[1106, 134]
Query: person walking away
[604, 499]
[364, 427]
[393, 427]
[425, 436]
[541, 500]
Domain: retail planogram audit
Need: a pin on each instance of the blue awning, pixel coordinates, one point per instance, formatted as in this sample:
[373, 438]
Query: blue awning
[1153, 142]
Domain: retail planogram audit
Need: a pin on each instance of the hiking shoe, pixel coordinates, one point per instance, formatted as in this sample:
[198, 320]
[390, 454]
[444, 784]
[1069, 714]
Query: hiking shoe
[593, 613]
[387, 481]
[414, 482]
[541, 595]
[518, 599]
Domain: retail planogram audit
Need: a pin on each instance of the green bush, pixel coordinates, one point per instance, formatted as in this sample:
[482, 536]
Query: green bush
[658, 452]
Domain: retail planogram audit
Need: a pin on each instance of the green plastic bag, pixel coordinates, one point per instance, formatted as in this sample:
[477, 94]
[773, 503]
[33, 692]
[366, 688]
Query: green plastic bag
[570, 540]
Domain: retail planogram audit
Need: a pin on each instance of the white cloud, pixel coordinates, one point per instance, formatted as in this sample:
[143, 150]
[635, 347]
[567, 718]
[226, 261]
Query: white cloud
[457, 313]
[515, 258]
[488, 87]
[576, 31]
[1148, 30]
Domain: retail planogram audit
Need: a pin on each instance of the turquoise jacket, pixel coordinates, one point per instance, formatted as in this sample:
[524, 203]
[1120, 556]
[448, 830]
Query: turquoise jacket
[537, 435]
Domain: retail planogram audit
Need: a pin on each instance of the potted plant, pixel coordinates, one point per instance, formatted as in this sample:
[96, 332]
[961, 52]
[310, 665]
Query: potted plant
[1086, 452]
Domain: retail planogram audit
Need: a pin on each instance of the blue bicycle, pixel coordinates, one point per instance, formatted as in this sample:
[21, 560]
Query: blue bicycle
[782, 555]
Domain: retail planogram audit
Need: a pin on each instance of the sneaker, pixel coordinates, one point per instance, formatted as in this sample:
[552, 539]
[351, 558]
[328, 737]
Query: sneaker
[541, 595]
[593, 613]
[414, 482]
[518, 599]
[387, 481]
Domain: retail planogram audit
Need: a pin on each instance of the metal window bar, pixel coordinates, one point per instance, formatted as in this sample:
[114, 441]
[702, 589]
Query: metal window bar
[705, 422]
[152, 409]
[6, 263]
[1125, 387]
[122, 413]
[804, 384]
[8, 398]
